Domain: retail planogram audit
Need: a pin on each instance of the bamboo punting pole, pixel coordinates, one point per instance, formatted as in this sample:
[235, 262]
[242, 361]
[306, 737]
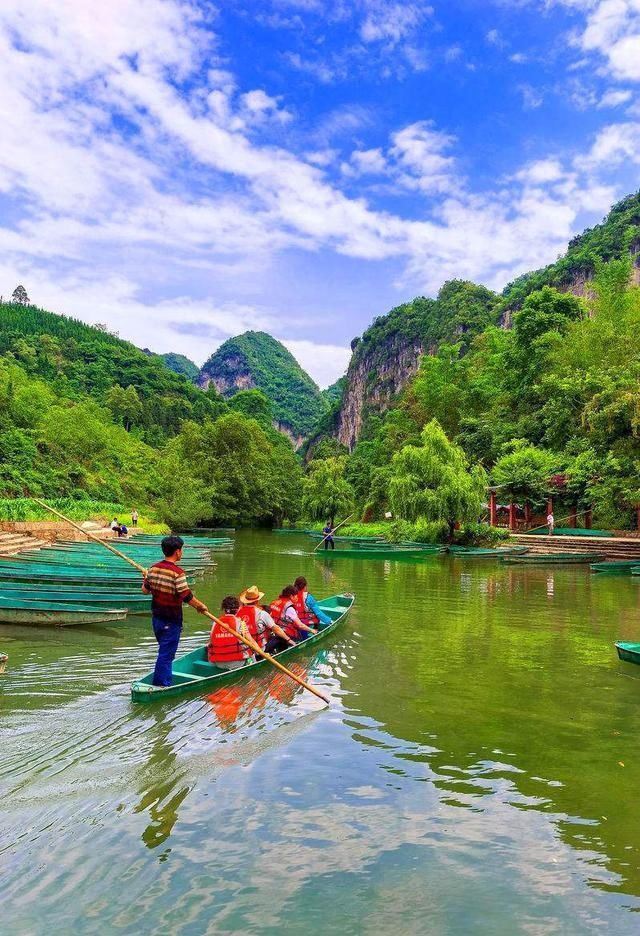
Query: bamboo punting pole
[568, 517]
[248, 641]
[96, 539]
[332, 532]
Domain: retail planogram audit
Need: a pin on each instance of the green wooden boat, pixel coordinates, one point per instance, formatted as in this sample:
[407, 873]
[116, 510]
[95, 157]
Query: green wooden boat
[77, 578]
[570, 531]
[132, 602]
[382, 552]
[482, 552]
[629, 652]
[615, 567]
[57, 614]
[356, 540]
[193, 671]
[280, 530]
[95, 562]
[101, 589]
[556, 559]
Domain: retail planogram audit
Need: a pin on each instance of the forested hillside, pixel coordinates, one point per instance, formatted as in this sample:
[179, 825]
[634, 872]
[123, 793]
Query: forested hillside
[255, 360]
[538, 389]
[86, 415]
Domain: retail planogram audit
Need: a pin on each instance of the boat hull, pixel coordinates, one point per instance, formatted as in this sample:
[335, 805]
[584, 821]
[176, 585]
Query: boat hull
[556, 559]
[629, 652]
[185, 669]
[60, 617]
[379, 553]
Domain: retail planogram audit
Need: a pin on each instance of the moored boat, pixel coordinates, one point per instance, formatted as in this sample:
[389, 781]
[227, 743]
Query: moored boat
[134, 603]
[193, 671]
[381, 552]
[56, 614]
[629, 652]
[486, 552]
[555, 559]
[615, 567]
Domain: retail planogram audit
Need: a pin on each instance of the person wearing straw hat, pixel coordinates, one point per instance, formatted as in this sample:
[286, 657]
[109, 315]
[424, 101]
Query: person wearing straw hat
[260, 623]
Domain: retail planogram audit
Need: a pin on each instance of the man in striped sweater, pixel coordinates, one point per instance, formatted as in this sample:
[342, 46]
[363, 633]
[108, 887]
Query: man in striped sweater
[167, 584]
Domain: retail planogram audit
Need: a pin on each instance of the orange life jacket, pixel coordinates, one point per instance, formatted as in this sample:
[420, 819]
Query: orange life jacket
[278, 609]
[224, 647]
[300, 604]
[249, 614]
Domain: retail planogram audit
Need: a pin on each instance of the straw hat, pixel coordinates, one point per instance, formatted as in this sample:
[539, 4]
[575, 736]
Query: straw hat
[251, 595]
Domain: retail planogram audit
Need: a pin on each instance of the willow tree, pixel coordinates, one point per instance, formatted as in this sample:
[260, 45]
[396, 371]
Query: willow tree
[326, 492]
[433, 481]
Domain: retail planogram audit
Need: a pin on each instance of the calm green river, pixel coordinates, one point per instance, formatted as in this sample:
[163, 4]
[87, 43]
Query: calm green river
[478, 770]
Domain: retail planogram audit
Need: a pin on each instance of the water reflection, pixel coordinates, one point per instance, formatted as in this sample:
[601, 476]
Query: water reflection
[468, 773]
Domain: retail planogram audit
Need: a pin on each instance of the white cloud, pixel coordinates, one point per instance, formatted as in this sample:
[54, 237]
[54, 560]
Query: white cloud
[614, 98]
[420, 150]
[325, 362]
[612, 30]
[541, 172]
[142, 174]
[391, 22]
[531, 97]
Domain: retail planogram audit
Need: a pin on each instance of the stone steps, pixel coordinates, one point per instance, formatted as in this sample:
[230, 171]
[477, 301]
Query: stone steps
[610, 547]
[11, 544]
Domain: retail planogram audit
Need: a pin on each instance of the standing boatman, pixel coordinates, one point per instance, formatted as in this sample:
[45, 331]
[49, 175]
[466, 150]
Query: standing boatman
[329, 541]
[167, 584]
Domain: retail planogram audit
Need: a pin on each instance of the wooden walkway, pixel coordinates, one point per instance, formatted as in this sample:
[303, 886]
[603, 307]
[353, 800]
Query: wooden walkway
[609, 547]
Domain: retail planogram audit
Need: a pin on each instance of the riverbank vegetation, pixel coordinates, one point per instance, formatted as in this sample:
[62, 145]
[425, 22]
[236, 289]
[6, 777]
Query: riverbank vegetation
[550, 406]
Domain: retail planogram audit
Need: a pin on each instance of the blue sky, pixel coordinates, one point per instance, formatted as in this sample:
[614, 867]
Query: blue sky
[184, 171]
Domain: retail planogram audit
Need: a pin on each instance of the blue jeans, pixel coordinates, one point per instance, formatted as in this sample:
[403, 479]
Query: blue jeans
[168, 637]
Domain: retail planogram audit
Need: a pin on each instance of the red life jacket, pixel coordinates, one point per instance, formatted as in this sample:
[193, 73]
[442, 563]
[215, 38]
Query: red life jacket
[278, 609]
[300, 604]
[224, 647]
[249, 614]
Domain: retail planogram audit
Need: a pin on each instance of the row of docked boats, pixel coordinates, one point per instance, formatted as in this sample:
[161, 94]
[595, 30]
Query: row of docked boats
[70, 582]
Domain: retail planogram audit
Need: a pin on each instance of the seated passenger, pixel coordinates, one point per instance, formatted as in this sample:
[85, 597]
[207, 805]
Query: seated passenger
[225, 650]
[260, 623]
[284, 614]
[307, 607]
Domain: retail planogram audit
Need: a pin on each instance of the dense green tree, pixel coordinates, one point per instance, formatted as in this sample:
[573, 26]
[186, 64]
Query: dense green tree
[433, 481]
[327, 494]
[523, 473]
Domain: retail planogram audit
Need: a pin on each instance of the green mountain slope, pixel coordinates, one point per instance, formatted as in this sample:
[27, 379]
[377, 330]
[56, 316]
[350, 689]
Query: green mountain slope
[255, 360]
[78, 359]
[619, 232]
[180, 364]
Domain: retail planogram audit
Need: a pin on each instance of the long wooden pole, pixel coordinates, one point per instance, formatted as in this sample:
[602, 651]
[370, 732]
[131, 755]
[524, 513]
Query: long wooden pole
[96, 539]
[332, 532]
[578, 513]
[248, 641]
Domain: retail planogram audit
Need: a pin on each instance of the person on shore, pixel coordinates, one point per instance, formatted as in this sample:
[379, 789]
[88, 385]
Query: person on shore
[167, 584]
[225, 650]
[328, 534]
[134, 517]
[122, 530]
[260, 623]
[551, 523]
[115, 525]
[307, 607]
[285, 615]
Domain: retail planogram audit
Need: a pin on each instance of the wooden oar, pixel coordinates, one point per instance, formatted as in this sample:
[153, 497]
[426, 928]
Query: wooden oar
[245, 640]
[250, 642]
[332, 532]
[96, 539]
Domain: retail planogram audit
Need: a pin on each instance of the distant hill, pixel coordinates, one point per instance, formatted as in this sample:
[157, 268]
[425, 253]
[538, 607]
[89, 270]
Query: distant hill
[255, 360]
[78, 359]
[180, 364]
